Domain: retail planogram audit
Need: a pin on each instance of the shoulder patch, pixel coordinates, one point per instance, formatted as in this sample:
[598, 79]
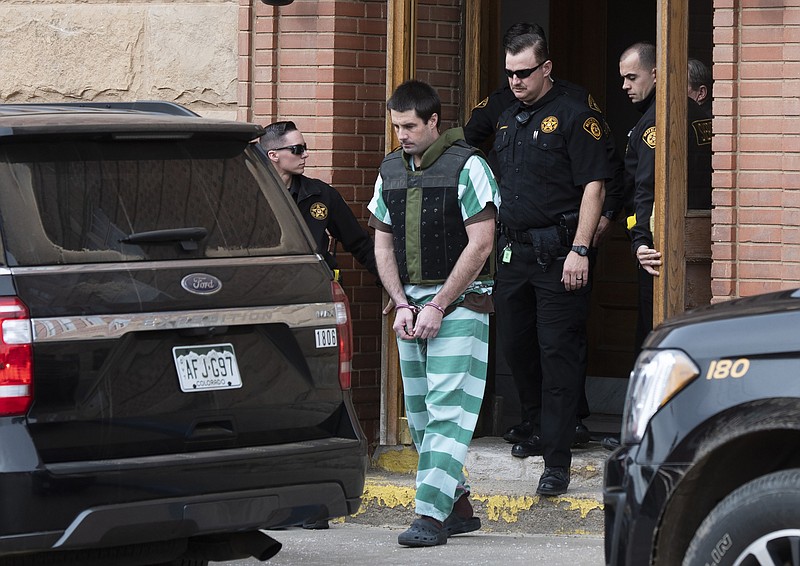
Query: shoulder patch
[702, 131]
[592, 104]
[649, 137]
[592, 126]
[482, 103]
[318, 211]
[549, 124]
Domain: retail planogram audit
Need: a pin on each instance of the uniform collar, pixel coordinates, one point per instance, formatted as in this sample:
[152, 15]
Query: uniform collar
[301, 188]
[551, 95]
[437, 148]
[643, 105]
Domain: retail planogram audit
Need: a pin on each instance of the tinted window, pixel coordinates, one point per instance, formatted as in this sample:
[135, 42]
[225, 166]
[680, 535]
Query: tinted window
[76, 201]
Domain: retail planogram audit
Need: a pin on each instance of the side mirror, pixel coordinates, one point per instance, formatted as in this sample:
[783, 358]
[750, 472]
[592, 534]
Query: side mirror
[277, 2]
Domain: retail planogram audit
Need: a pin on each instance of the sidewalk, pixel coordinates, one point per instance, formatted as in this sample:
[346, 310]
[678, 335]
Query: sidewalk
[503, 490]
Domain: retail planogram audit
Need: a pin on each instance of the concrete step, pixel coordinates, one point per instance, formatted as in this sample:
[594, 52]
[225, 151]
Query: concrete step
[503, 490]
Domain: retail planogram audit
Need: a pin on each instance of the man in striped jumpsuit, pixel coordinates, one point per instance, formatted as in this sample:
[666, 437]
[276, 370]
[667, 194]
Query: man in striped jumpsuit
[434, 211]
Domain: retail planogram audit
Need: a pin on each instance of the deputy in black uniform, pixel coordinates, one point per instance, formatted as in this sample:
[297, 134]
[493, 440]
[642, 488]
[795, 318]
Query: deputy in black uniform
[698, 150]
[322, 207]
[553, 165]
[637, 67]
[479, 128]
[700, 84]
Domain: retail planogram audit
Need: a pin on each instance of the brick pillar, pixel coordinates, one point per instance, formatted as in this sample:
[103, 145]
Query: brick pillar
[756, 143]
[725, 147]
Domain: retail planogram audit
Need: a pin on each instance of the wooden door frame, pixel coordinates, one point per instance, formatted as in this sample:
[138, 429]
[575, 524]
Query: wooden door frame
[669, 209]
[480, 29]
[401, 33]
[472, 52]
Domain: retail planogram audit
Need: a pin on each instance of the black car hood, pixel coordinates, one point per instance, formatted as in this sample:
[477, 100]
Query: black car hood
[718, 330]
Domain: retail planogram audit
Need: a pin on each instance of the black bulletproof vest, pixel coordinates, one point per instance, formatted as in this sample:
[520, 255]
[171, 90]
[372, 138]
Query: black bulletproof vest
[427, 226]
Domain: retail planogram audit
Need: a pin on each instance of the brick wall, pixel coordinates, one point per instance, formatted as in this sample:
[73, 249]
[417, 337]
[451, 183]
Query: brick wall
[439, 50]
[756, 220]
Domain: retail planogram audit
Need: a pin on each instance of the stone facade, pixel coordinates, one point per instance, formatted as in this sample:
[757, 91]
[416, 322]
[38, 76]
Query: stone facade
[183, 51]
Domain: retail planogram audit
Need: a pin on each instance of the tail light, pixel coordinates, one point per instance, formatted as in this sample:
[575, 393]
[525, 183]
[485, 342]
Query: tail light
[344, 329]
[16, 357]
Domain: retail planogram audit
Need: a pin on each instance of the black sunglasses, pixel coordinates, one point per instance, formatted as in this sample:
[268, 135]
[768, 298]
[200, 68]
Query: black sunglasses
[523, 73]
[296, 149]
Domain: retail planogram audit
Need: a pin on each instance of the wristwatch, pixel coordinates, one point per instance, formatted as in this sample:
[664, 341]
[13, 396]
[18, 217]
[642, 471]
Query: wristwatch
[582, 251]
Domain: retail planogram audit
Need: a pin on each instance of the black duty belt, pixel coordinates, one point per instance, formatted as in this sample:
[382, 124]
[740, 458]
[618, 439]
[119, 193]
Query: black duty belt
[547, 244]
[521, 236]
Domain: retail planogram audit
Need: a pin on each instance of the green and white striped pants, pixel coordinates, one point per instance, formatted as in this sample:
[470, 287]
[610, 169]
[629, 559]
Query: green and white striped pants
[443, 380]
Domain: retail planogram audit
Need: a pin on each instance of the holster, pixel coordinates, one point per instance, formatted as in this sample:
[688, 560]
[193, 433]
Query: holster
[546, 244]
[567, 226]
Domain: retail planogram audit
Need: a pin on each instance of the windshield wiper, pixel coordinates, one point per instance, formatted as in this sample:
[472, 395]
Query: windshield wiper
[188, 237]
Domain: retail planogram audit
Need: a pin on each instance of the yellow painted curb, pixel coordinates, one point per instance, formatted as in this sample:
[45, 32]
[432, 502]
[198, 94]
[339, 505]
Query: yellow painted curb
[385, 495]
[397, 459]
[497, 507]
[505, 507]
[582, 505]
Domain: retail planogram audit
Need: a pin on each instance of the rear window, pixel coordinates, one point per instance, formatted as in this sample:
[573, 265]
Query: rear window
[85, 201]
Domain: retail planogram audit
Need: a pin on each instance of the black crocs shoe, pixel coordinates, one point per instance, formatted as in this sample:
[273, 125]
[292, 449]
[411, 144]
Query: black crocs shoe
[455, 525]
[423, 533]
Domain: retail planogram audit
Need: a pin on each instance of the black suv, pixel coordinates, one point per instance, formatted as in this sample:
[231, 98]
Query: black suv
[175, 358]
[709, 468]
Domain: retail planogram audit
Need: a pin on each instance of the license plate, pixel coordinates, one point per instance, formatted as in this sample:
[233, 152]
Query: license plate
[326, 337]
[206, 368]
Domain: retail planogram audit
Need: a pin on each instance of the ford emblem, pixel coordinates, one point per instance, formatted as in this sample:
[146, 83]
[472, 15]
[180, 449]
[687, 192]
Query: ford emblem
[201, 284]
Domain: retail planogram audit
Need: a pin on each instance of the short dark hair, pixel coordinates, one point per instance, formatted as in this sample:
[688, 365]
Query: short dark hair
[418, 96]
[699, 75]
[274, 133]
[524, 35]
[646, 52]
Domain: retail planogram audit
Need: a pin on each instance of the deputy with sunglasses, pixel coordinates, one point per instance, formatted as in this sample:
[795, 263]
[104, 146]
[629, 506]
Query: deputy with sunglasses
[552, 160]
[326, 213]
[479, 129]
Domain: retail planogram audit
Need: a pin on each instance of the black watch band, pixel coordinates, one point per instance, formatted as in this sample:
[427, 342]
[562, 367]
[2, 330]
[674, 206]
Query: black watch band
[582, 251]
